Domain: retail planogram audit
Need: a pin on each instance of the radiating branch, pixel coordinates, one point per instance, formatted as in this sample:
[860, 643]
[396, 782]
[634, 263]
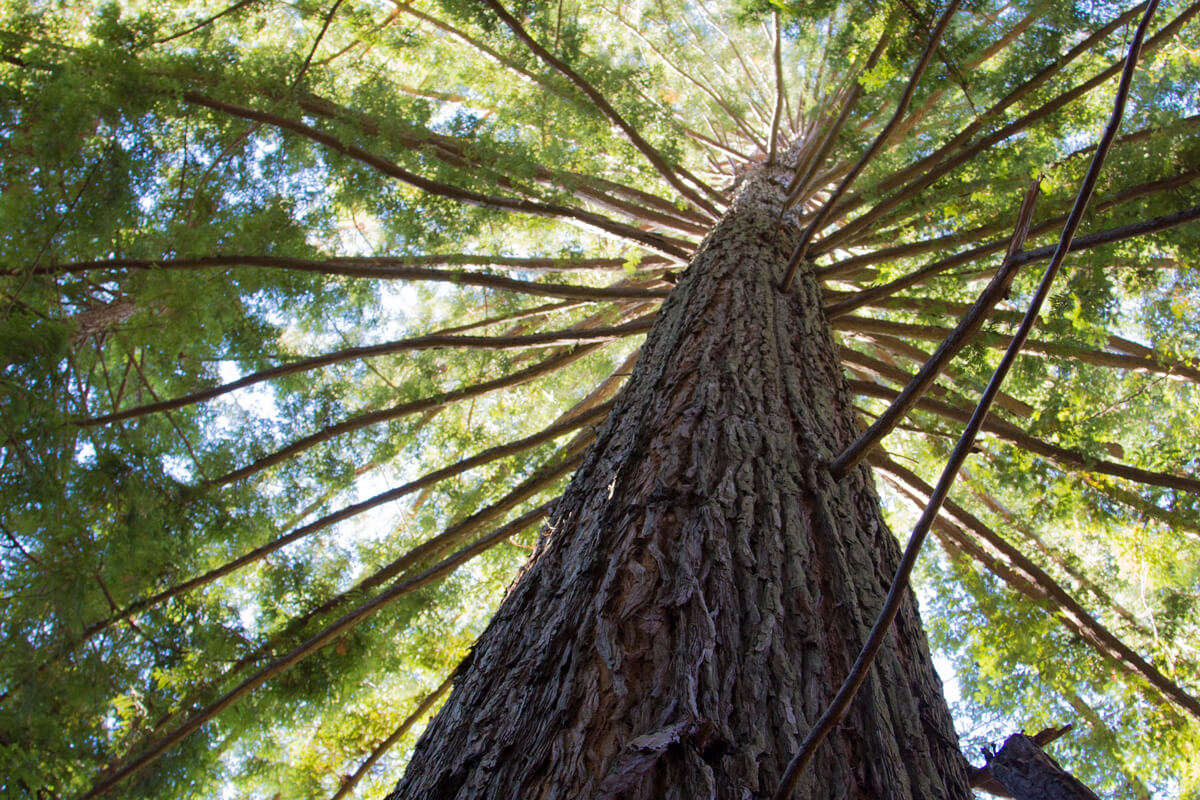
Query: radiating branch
[1060, 560]
[800, 183]
[1059, 455]
[463, 154]
[424, 707]
[654, 241]
[720, 102]
[1087, 45]
[777, 115]
[554, 431]
[818, 222]
[159, 747]
[379, 267]
[1149, 362]
[359, 421]
[546, 476]
[844, 236]
[1069, 610]
[652, 155]
[1092, 240]
[967, 327]
[202, 23]
[429, 342]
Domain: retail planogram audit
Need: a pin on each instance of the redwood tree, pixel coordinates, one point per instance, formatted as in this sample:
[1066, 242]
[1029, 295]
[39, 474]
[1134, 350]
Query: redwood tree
[311, 310]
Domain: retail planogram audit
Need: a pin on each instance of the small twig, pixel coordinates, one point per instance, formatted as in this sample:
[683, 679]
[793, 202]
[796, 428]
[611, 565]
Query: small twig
[200, 24]
[316, 43]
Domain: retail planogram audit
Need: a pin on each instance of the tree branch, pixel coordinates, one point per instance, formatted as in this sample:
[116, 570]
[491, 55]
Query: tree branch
[814, 226]
[156, 749]
[656, 242]
[1098, 239]
[548, 434]
[967, 327]
[1102, 358]
[1068, 609]
[579, 82]
[424, 707]
[844, 235]
[430, 342]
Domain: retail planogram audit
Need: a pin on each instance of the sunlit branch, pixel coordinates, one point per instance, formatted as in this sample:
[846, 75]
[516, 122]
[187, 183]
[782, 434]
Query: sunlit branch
[561, 428]
[891, 348]
[1173, 518]
[1027, 87]
[664, 169]
[601, 223]
[873, 294]
[382, 267]
[641, 196]
[586, 414]
[361, 42]
[1148, 362]
[514, 316]
[845, 235]
[427, 703]
[724, 148]
[851, 265]
[1060, 560]
[721, 103]
[544, 479]
[201, 24]
[1070, 611]
[801, 183]
[777, 116]
[1184, 124]
[902, 220]
[818, 222]
[1059, 455]
[404, 409]
[754, 76]
[967, 327]
[333, 9]
[638, 204]
[491, 53]
[154, 750]
[871, 368]
[431, 342]
[187, 444]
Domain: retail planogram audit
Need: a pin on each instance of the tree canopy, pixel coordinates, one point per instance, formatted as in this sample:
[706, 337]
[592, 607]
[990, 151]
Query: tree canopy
[310, 308]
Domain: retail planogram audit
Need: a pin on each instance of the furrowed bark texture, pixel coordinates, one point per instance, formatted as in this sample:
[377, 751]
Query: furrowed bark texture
[1029, 774]
[704, 585]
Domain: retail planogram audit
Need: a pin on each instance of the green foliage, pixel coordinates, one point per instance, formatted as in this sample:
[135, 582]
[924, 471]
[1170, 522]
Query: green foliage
[192, 193]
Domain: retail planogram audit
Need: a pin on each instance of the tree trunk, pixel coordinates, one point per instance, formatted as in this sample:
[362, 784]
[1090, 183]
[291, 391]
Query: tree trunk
[704, 585]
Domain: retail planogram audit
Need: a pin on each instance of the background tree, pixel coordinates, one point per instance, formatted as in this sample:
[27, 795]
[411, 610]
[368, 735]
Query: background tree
[311, 308]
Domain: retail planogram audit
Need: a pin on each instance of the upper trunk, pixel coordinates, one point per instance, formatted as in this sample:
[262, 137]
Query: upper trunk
[704, 585]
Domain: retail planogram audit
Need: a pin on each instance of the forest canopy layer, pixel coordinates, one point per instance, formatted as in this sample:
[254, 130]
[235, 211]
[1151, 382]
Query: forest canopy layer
[308, 311]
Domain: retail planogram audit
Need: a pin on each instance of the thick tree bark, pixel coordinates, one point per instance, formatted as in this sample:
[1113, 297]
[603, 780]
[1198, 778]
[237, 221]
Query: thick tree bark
[704, 585]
